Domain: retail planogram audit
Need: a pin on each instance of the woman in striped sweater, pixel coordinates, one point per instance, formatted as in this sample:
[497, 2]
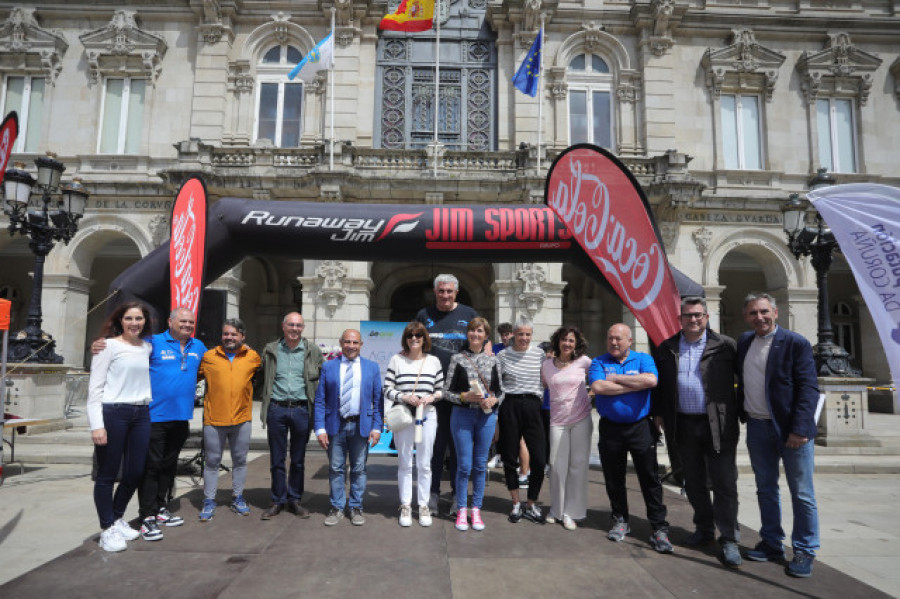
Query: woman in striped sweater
[414, 377]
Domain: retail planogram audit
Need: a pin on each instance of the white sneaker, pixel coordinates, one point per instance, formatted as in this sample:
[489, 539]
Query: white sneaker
[405, 515]
[424, 516]
[128, 533]
[495, 462]
[111, 540]
[568, 523]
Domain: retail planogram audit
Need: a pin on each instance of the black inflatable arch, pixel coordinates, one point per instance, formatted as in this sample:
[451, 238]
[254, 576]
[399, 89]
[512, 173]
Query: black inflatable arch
[238, 228]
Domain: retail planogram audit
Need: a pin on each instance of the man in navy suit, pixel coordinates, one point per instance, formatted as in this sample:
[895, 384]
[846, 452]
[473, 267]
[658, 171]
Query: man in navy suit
[778, 385]
[348, 419]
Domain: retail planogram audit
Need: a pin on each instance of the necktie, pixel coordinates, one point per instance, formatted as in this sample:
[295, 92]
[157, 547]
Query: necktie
[347, 390]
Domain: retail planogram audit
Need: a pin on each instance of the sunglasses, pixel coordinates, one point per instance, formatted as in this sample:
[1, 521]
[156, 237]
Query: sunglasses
[416, 335]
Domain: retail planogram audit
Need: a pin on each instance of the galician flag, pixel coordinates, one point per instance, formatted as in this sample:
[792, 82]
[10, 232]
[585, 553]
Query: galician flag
[320, 58]
[410, 16]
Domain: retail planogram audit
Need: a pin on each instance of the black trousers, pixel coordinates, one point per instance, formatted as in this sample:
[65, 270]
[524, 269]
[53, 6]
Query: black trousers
[617, 440]
[521, 417]
[443, 443]
[166, 441]
[701, 463]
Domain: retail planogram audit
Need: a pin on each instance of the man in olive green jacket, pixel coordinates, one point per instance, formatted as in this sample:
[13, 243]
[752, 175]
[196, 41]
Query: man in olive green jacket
[290, 374]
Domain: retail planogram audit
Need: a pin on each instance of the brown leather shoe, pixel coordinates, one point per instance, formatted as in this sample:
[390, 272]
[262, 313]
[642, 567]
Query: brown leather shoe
[295, 508]
[272, 511]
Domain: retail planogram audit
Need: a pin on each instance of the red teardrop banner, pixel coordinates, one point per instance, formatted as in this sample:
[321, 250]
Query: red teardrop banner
[603, 206]
[187, 247]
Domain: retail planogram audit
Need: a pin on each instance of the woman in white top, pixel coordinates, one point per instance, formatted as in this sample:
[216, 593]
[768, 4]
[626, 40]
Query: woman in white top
[565, 377]
[415, 378]
[119, 417]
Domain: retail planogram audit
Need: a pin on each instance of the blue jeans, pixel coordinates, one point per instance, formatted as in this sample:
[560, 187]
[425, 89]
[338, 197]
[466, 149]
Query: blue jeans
[281, 422]
[347, 441]
[473, 431]
[127, 438]
[766, 450]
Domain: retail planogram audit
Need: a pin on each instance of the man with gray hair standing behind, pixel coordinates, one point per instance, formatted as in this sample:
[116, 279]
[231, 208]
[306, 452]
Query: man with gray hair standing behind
[446, 323]
[520, 412]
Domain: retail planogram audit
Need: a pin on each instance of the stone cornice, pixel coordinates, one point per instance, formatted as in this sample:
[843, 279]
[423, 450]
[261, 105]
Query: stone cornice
[744, 65]
[841, 68]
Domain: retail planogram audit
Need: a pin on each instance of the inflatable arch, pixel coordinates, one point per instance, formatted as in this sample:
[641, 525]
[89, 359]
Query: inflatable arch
[238, 228]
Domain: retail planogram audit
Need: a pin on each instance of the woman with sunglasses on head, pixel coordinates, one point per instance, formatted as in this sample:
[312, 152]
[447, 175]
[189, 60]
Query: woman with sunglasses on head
[473, 385]
[415, 378]
[565, 377]
[119, 417]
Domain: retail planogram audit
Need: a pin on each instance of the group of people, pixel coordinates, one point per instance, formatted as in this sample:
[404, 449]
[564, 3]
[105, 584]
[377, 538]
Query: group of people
[695, 388]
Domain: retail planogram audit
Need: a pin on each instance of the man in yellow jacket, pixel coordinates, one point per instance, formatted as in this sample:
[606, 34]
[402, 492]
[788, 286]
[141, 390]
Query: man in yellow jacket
[229, 370]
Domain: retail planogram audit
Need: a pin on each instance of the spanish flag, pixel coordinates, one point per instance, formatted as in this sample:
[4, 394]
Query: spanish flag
[411, 16]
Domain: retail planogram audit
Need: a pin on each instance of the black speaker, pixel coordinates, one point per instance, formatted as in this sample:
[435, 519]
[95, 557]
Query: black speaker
[212, 317]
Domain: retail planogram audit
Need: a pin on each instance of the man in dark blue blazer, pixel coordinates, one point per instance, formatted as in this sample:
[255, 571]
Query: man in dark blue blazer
[778, 387]
[348, 419]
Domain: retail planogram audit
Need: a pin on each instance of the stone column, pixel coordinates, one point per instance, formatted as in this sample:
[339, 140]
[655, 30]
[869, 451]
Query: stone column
[231, 284]
[714, 305]
[336, 297]
[65, 311]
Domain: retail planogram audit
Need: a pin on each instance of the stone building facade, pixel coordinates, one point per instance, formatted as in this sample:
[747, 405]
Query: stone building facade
[721, 109]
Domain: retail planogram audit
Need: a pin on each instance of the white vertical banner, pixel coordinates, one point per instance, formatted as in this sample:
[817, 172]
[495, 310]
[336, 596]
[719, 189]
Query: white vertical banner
[865, 220]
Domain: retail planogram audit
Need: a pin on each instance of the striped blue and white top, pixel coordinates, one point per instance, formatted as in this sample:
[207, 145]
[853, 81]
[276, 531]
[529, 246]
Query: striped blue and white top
[521, 371]
[401, 374]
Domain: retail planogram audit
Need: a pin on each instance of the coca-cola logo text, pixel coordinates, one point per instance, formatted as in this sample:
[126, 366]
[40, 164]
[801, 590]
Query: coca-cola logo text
[635, 266]
[185, 289]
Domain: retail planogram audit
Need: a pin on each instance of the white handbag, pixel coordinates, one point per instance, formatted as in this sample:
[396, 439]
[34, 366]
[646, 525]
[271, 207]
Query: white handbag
[398, 416]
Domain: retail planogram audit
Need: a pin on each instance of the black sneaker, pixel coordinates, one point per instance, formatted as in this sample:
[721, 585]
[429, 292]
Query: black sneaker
[516, 514]
[533, 513]
[150, 530]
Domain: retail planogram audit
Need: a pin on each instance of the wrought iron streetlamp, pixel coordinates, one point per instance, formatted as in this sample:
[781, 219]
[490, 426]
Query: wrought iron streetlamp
[819, 243]
[47, 213]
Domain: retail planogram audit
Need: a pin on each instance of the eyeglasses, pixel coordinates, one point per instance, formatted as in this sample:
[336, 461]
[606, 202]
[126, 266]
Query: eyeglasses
[694, 316]
[294, 325]
[416, 335]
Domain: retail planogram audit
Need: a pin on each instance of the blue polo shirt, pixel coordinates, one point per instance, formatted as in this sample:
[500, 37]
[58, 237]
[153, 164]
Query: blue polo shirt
[629, 407]
[173, 377]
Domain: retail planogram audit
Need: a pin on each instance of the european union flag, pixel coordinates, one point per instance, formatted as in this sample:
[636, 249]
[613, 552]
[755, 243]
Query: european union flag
[526, 78]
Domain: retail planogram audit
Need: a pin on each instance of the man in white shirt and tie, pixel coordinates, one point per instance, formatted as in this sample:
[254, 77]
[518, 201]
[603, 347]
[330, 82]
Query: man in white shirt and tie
[348, 419]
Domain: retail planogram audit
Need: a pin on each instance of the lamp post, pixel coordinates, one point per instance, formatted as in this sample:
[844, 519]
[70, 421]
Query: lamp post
[34, 210]
[818, 242]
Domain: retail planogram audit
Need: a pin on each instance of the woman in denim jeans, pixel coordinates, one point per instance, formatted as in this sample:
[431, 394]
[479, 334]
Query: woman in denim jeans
[473, 384]
[119, 416]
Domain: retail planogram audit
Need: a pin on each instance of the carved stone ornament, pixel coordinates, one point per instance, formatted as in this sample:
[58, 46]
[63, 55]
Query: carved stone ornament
[122, 47]
[531, 295]
[657, 21]
[556, 82]
[840, 68]
[240, 77]
[629, 87]
[745, 65]
[702, 238]
[43, 49]
[343, 13]
[532, 19]
[331, 287]
[159, 229]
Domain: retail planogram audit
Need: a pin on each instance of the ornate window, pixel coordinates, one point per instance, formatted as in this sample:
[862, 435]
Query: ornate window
[122, 118]
[25, 95]
[590, 101]
[405, 87]
[836, 83]
[279, 102]
[739, 77]
[741, 131]
[837, 134]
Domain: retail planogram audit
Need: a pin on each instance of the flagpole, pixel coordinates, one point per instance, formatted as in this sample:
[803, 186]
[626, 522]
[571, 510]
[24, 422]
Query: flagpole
[540, 96]
[331, 91]
[437, 79]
